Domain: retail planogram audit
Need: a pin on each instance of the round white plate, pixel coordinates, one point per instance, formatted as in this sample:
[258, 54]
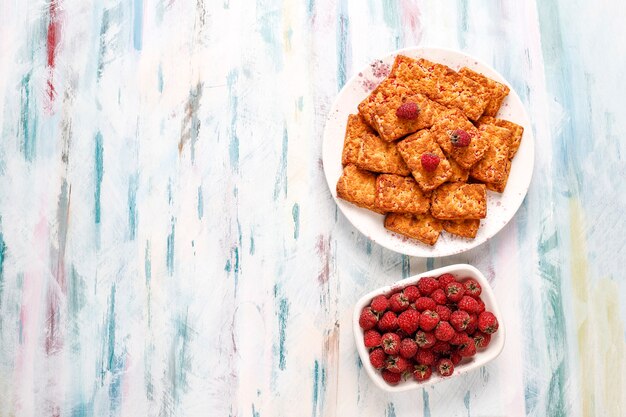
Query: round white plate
[500, 207]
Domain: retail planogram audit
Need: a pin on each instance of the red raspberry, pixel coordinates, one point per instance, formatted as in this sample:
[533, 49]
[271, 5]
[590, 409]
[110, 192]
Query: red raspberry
[455, 291]
[398, 302]
[379, 304]
[371, 338]
[409, 321]
[408, 348]
[408, 110]
[467, 349]
[428, 320]
[427, 285]
[425, 357]
[444, 313]
[445, 279]
[422, 372]
[391, 378]
[481, 305]
[441, 348]
[412, 293]
[444, 331]
[397, 364]
[455, 358]
[429, 161]
[460, 338]
[367, 319]
[425, 303]
[472, 287]
[460, 138]
[481, 340]
[424, 339]
[487, 322]
[472, 325]
[468, 304]
[378, 358]
[445, 367]
[439, 296]
[391, 343]
[388, 322]
[459, 320]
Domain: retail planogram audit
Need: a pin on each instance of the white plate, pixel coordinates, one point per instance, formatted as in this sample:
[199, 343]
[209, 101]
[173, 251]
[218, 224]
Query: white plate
[482, 356]
[500, 207]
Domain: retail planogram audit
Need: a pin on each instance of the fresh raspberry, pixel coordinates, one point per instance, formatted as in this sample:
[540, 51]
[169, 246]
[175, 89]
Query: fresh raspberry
[391, 378]
[379, 304]
[411, 293]
[398, 302]
[390, 343]
[408, 110]
[425, 303]
[481, 340]
[481, 305]
[429, 161]
[408, 348]
[367, 319]
[397, 364]
[425, 357]
[439, 296]
[459, 320]
[455, 358]
[487, 322]
[371, 338]
[468, 304]
[444, 331]
[467, 349]
[460, 338]
[472, 325]
[441, 348]
[460, 138]
[445, 279]
[455, 291]
[422, 372]
[428, 320]
[427, 285]
[378, 358]
[472, 287]
[409, 320]
[388, 322]
[424, 339]
[445, 367]
[444, 312]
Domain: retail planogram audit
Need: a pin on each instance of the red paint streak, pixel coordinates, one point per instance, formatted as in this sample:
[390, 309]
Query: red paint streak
[411, 21]
[52, 43]
[322, 247]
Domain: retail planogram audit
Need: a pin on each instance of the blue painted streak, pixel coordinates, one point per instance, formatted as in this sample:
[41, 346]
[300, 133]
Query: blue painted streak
[169, 257]
[342, 42]
[233, 148]
[138, 24]
[132, 205]
[28, 118]
[295, 213]
[283, 315]
[99, 167]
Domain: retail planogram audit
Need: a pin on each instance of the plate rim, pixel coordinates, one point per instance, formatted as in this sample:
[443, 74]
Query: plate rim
[419, 251]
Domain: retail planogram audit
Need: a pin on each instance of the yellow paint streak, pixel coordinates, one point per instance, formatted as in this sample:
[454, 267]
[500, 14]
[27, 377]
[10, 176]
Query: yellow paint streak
[600, 335]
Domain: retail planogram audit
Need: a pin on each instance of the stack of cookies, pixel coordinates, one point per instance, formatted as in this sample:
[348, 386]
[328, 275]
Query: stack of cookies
[426, 146]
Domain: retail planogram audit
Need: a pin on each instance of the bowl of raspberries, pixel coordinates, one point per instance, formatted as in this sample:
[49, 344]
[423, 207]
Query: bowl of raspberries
[428, 327]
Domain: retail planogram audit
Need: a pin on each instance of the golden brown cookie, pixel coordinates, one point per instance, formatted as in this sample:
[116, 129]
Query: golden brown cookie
[400, 195]
[517, 132]
[358, 187]
[456, 201]
[443, 130]
[422, 227]
[463, 228]
[459, 174]
[356, 128]
[495, 92]
[500, 186]
[492, 168]
[412, 148]
[379, 156]
[441, 84]
[380, 107]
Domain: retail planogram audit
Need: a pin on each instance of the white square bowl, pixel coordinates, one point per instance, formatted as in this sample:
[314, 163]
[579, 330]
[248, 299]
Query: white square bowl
[482, 357]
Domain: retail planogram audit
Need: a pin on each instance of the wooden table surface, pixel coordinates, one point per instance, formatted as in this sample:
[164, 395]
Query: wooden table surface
[169, 246]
